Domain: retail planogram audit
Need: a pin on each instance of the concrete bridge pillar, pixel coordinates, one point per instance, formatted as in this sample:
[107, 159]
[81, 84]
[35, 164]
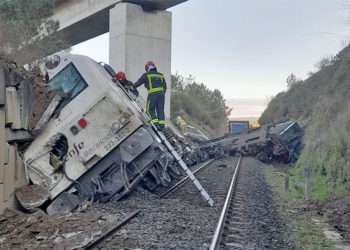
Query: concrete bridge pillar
[136, 37]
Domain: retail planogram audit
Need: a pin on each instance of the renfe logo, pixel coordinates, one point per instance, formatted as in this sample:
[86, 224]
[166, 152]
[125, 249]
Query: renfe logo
[75, 151]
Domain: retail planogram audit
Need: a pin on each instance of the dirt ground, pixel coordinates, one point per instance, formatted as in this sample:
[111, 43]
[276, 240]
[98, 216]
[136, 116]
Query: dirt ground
[337, 214]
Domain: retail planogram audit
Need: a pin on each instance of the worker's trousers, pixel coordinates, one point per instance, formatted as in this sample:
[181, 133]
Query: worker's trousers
[155, 108]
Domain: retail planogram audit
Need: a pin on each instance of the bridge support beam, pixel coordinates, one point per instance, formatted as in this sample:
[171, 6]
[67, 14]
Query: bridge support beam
[136, 37]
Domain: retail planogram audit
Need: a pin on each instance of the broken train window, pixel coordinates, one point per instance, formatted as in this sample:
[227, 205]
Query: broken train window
[68, 83]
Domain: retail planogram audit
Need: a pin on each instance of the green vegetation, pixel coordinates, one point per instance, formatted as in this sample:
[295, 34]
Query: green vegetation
[199, 106]
[306, 234]
[321, 105]
[24, 26]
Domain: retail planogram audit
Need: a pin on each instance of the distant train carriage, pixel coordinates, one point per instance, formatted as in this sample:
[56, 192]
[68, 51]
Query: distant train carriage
[238, 127]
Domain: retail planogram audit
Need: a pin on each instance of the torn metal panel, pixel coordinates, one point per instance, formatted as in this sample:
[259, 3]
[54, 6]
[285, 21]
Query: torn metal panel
[48, 113]
[286, 139]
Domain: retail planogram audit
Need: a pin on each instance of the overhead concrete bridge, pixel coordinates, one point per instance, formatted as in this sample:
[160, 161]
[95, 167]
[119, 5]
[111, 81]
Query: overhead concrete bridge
[140, 30]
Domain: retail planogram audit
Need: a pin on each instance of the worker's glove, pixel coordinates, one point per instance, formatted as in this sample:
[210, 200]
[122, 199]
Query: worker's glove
[135, 92]
[132, 89]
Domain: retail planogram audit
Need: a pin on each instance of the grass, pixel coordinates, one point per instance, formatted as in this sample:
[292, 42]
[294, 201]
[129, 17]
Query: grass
[320, 105]
[322, 189]
[307, 235]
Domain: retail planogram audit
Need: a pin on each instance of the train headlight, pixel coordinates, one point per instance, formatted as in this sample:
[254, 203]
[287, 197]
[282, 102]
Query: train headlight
[115, 127]
[122, 122]
[52, 62]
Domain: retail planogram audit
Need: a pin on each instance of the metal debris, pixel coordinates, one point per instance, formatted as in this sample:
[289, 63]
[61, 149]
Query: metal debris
[73, 231]
[280, 142]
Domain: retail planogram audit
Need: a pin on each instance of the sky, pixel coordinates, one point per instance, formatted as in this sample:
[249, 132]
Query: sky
[247, 48]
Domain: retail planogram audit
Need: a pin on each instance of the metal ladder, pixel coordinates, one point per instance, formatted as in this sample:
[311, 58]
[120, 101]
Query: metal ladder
[171, 149]
[184, 166]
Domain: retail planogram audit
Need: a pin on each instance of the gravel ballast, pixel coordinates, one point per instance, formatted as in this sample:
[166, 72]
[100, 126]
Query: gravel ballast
[184, 221]
[181, 221]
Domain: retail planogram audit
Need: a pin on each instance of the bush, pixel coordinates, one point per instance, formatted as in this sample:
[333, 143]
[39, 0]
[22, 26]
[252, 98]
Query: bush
[200, 105]
[321, 105]
[24, 30]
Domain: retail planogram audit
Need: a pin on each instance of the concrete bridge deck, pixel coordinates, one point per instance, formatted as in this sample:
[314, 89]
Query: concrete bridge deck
[81, 20]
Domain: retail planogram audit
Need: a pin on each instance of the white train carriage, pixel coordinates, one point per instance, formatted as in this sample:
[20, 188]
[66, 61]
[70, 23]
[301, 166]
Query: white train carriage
[96, 143]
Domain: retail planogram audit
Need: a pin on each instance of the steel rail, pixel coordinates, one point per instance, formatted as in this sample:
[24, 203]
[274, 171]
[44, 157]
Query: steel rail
[184, 180]
[215, 243]
[112, 230]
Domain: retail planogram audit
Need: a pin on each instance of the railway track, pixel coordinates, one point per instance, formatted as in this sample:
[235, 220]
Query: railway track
[184, 180]
[229, 232]
[184, 221]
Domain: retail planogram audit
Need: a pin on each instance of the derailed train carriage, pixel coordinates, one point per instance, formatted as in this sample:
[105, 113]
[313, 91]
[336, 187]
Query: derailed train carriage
[280, 142]
[93, 143]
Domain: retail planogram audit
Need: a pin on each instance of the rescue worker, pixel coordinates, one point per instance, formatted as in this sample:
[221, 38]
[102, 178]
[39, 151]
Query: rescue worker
[155, 84]
[128, 85]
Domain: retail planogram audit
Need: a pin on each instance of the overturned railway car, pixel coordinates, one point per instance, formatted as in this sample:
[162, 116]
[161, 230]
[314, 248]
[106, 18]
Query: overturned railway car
[93, 141]
[280, 142]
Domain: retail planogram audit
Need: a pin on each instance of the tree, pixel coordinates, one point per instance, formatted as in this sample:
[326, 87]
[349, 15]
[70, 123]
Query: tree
[291, 80]
[207, 108]
[25, 30]
[325, 62]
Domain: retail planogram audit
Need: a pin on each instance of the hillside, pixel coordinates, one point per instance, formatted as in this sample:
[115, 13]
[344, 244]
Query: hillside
[199, 106]
[321, 105]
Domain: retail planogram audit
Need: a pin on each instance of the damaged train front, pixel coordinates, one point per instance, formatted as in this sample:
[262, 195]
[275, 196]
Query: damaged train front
[92, 142]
